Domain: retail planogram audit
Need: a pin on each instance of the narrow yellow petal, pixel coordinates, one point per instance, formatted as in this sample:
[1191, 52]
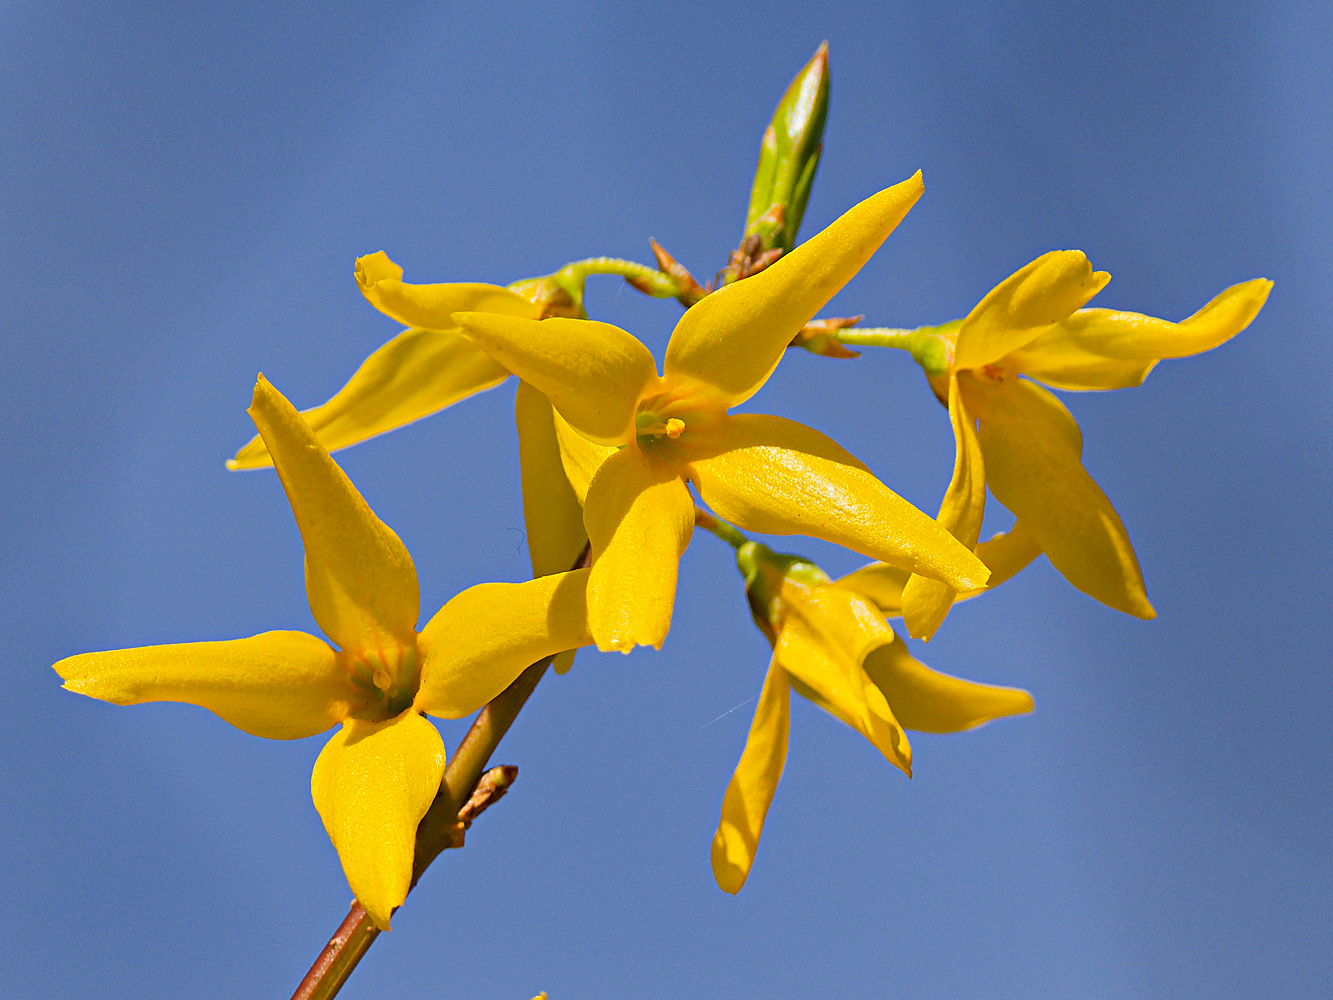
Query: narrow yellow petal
[879, 583]
[639, 517]
[593, 373]
[279, 685]
[751, 789]
[1033, 449]
[552, 512]
[1131, 336]
[1063, 363]
[580, 457]
[372, 784]
[1006, 553]
[926, 602]
[485, 637]
[779, 477]
[825, 635]
[1024, 305]
[358, 575]
[932, 702]
[733, 339]
[418, 373]
[381, 282]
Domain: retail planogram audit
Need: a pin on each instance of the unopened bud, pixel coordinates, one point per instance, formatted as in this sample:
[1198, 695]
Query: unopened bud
[789, 157]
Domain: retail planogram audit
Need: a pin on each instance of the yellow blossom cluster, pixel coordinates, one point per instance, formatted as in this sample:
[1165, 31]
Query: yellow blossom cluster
[615, 454]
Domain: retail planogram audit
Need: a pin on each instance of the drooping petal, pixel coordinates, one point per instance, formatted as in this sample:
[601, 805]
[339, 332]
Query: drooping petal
[358, 574]
[1134, 337]
[826, 634]
[639, 518]
[733, 339]
[486, 636]
[278, 685]
[593, 373]
[779, 477]
[932, 702]
[751, 789]
[372, 784]
[926, 602]
[418, 373]
[430, 306]
[580, 457]
[552, 512]
[1024, 305]
[1033, 448]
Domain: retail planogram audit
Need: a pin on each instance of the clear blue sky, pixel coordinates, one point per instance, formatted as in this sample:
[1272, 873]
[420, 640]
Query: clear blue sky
[183, 190]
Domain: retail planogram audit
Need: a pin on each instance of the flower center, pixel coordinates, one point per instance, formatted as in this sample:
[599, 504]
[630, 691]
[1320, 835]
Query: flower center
[667, 414]
[386, 678]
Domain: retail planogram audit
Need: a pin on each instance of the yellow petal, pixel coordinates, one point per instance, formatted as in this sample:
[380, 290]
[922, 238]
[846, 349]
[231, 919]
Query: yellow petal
[1022, 306]
[580, 457]
[1033, 448]
[639, 517]
[552, 512]
[418, 373]
[1006, 553]
[1064, 364]
[593, 373]
[372, 784]
[825, 635]
[1130, 337]
[359, 577]
[381, 282]
[881, 584]
[733, 339]
[751, 789]
[279, 685]
[779, 477]
[927, 602]
[937, 703]
[485, 637]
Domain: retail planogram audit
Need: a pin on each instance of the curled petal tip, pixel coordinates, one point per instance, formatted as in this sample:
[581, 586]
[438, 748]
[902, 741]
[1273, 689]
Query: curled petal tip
[376, 267]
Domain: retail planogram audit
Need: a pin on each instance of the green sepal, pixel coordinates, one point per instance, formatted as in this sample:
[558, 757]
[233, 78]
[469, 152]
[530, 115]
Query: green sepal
[764, 570]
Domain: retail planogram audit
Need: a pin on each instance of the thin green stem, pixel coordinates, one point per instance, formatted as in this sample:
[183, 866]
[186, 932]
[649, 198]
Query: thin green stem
[930, 346]
[647, 279]
[728, 533]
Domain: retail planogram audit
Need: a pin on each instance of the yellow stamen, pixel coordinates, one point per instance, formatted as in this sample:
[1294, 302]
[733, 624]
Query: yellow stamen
[381, 678]
[674, 428]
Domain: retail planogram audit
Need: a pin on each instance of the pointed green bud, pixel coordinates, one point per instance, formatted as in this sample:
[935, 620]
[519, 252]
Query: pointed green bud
[789, 156]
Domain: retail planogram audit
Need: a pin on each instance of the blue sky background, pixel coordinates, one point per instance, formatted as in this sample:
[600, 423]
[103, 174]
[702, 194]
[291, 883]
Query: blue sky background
[182, 193]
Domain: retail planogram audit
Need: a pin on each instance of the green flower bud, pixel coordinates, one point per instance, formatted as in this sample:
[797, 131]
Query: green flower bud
[789, 156]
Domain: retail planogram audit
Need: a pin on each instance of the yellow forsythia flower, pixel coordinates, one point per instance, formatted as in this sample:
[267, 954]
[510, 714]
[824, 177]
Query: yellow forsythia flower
[377, 776]
[630, 439]
[1017, 438]
[831, 644]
